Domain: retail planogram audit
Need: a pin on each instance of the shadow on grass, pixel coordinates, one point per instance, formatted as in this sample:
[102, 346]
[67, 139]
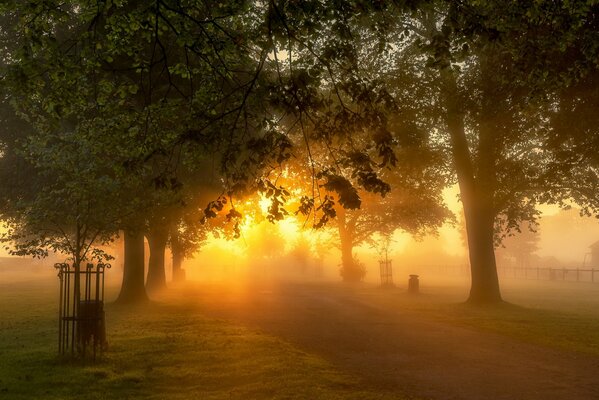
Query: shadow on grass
[557, 329]
[165, 350]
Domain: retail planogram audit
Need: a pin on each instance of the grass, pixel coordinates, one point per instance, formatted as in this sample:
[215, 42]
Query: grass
[561, 330]
[564, 315]
[561, 315]
[163, 351]
[169, 350]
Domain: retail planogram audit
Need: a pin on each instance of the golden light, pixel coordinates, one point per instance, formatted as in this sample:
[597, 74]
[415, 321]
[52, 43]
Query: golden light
[264, 204]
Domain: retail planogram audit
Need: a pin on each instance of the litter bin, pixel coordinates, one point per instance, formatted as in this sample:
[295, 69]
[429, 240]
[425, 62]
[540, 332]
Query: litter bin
[413, 284]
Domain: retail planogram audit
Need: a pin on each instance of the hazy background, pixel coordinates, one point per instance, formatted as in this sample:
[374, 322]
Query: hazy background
[284, 251]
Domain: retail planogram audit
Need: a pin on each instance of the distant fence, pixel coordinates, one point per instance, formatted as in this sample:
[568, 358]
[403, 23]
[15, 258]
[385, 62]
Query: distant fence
[433, 269]
[551, 274]
[582, 274]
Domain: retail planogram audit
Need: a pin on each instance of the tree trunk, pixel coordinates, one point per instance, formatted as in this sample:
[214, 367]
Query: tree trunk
[351, 271]
[133, 289]
[178, 271]
[347, 259]
[156, 280]
[177, 254]
[483, 269]
[477, 187]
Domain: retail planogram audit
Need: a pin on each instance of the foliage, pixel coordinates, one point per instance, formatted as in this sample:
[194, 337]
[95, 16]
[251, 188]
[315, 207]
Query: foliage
[301, 250]
[266, 242]
[554, 69]
[478, 92]
[157, 77]
[520, 245]
[72, 208]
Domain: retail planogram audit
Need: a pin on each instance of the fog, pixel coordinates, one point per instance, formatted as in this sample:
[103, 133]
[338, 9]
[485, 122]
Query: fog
[271, 252]
[287, 253]
[285, 281]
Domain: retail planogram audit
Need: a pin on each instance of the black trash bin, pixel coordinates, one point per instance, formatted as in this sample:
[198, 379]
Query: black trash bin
[413, 284]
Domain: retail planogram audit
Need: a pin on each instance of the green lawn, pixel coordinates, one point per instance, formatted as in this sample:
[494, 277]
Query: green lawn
[558, 314]
[169, 350]
[563, 315]
[164, 351]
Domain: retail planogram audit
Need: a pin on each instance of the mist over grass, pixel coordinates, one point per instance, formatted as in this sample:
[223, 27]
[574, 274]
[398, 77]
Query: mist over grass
[166, 350]
[172, 349]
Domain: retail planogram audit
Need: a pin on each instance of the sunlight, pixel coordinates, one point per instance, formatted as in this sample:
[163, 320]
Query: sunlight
[264, 204]
[290, 229]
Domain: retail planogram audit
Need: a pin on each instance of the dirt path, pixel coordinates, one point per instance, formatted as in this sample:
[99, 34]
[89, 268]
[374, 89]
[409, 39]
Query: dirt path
[402, 351]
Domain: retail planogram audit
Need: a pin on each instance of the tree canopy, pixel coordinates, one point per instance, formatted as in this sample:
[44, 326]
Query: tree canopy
[119, 106]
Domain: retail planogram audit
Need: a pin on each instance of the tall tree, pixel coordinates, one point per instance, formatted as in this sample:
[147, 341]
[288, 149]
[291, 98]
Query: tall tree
[102, 70]
[241, 78]
[157, 235]
[495, 92]
[417, 212]
[132, 289]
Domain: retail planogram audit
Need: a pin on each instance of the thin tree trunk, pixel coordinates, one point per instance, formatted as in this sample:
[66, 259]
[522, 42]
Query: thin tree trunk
[177, 254]
[156, 279]
[133, 289]
[178, 271]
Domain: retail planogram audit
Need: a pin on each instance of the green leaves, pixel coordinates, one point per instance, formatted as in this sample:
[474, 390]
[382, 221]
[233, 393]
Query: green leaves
[214, 207]
[277, 195]
[348, 195]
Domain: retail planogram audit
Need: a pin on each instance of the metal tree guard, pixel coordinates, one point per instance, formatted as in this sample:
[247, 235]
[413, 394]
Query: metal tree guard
[81, 308]
[385, 264]
[386, 272]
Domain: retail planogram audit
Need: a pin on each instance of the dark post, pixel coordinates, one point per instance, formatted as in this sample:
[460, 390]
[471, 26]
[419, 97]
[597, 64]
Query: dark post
[413, 284]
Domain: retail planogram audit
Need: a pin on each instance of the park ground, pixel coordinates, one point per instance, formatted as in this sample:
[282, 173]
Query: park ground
[327, 340]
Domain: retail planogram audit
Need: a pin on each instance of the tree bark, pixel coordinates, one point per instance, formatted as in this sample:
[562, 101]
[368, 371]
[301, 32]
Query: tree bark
[156, 280]
[483, 268]
[157, 236]
[133, 289]
[477, 187]
[350, 270]
[177, 254]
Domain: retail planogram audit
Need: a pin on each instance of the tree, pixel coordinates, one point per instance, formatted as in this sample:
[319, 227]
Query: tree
[187, 235]
[540, 167]
[157, 236]
[176, 213]
[132, 289]
[301, 251]
[244, 78]
[266, 243]
[415, 212]
[476, 93]
[103, 71]
[520, 245]
[65, 212]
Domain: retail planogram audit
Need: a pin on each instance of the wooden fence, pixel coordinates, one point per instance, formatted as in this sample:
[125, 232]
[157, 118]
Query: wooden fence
[585, 274]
